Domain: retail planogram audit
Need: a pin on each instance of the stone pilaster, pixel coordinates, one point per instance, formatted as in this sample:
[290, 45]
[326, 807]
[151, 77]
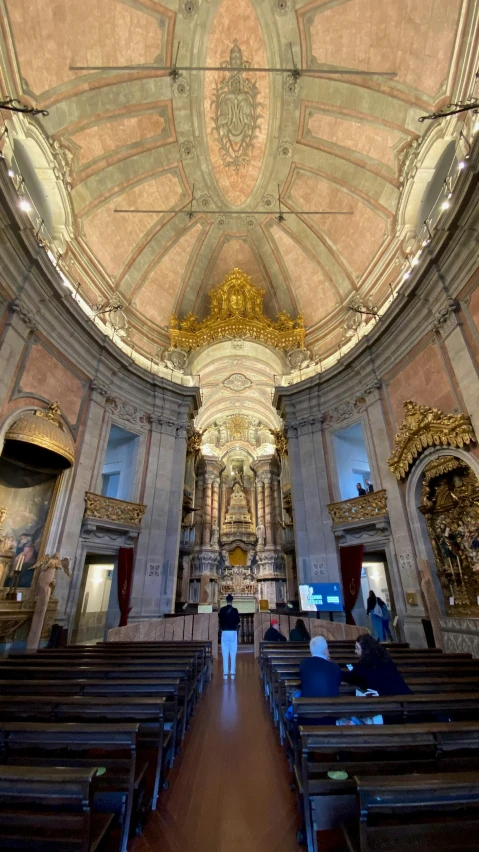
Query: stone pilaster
[19, 325]
[268, 520]
[207, 506]
[450, 327]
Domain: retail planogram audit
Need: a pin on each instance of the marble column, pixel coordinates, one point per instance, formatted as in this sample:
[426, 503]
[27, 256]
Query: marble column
[260, 499]
[215, 503]
[277, 511]
[207, 506]
[268, 521]
[199, 508]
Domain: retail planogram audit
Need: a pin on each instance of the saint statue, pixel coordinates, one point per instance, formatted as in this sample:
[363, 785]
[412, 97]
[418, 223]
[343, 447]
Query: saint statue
[260, 535]
[48, 565]
[215, 535]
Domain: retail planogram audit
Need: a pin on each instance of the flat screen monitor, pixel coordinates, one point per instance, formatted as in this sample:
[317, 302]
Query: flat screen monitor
[321, 597]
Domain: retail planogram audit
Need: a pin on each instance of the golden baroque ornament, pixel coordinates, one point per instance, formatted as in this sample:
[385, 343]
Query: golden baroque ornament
[193, 444]
[110, 509]
[424, 427]
[236, 311]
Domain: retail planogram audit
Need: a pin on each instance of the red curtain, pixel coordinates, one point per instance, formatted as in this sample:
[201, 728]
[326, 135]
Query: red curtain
[125, 579]
[351, 560]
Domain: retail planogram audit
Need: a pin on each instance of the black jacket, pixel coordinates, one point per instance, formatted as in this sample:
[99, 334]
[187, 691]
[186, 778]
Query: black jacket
[319, 678]
[228, 617]
[295, 635]
[273, 635]
[385, 678]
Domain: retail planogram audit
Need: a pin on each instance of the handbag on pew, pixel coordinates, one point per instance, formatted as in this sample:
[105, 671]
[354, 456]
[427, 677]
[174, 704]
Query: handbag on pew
[363, 720]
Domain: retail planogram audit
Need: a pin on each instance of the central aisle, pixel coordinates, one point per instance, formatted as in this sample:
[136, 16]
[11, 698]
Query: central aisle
[229, 790]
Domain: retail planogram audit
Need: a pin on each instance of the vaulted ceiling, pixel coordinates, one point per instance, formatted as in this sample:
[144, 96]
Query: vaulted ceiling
[135, 139]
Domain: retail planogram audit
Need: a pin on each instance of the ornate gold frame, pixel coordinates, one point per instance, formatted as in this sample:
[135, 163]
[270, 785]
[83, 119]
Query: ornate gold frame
[424, 427]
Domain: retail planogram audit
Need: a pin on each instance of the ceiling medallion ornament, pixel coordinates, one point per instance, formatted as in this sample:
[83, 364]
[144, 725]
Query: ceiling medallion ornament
[236, 311]
[237, 382]
[236, 112]
[424, 427]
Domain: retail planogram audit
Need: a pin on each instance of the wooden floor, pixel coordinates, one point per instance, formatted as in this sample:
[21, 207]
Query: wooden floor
[230, 786]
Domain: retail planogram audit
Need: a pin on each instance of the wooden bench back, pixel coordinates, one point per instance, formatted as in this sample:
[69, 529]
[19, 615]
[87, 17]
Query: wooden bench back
[419, 812]
[46, 808]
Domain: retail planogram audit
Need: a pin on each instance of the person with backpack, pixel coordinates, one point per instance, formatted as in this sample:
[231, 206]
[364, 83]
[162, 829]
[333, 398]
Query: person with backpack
[376, 615]
[386, 618]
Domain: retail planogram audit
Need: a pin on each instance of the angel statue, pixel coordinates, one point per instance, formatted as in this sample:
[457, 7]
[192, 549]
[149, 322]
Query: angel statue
[48, 567]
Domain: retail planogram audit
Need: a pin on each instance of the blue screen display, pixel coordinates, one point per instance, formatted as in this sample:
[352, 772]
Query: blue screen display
[321, 597]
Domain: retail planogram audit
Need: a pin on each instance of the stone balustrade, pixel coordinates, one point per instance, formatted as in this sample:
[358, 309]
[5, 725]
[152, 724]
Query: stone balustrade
[363, 508]
[116, 511]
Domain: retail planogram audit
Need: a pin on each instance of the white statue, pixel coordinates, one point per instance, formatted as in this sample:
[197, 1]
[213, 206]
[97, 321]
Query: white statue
[260, 535]
[48, 565]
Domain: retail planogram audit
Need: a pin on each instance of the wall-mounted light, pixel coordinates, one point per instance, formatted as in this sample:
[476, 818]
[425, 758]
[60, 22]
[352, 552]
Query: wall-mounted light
[25, 205]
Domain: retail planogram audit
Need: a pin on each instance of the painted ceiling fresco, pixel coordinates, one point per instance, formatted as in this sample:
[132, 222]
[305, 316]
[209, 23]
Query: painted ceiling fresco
[231, 139]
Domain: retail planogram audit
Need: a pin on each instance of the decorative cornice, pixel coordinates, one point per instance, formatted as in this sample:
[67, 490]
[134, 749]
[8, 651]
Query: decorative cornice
[236, 311]
[424, 427]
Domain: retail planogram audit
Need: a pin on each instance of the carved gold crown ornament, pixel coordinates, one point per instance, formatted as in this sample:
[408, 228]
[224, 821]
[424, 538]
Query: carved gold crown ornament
[236, 311]
[45, 429]
[424, 427]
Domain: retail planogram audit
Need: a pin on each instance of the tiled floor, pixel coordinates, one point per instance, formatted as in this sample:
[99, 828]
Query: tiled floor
[229, 790]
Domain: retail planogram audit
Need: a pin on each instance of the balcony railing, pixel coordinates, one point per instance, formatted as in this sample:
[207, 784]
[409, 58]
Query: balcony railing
[363, 508]
[116, 511]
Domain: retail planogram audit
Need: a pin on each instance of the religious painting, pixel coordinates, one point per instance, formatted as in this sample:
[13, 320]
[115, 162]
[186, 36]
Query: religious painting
[26, 497]
[450, 504]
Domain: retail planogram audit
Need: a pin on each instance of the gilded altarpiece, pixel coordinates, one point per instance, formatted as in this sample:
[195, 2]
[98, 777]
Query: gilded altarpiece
[450, 505]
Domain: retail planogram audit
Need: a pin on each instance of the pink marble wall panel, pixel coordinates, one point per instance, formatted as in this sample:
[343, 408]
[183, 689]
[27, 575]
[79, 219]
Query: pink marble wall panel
[107, 136]
[113, 236]
[157, 298]
[45, 375]
[425, 381]
[413, 39]
[314, 295]
[358, 237]
[236, 20]
[372, 140]
[51, 36]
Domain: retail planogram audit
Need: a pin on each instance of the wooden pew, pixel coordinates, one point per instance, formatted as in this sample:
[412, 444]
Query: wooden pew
[166, 688]
[153, 747]
[111, 747]
[416, 812]
[374, 750]
[397, 709]
[49, 809]
[101, 671]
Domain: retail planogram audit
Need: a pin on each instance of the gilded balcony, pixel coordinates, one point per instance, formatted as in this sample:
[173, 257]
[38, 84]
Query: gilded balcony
[365, 508]
[111, 510]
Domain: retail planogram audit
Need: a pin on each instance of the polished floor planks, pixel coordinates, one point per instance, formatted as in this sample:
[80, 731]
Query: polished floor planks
[229, 790]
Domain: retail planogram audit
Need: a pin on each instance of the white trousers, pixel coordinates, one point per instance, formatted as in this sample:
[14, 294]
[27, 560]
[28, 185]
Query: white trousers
[229, 646]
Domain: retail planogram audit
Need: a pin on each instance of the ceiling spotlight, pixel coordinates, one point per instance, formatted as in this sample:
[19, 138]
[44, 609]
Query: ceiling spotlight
[407, 274]
[11, 173]
[445, 204]
[25, 205]
[461, 165]
[415, 260]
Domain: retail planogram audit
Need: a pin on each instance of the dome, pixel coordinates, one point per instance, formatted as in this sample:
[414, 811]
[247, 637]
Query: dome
[39, 440]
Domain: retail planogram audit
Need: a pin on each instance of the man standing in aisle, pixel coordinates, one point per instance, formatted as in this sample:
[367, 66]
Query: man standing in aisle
[229, 622]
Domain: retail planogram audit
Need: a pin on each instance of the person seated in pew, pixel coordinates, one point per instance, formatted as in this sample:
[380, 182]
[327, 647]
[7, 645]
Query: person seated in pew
[273, 633]
[320, 678]
[299, 633]
[375, 669]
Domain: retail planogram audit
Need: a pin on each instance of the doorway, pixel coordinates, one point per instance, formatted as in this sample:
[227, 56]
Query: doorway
[95, 602]
[375, 577]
